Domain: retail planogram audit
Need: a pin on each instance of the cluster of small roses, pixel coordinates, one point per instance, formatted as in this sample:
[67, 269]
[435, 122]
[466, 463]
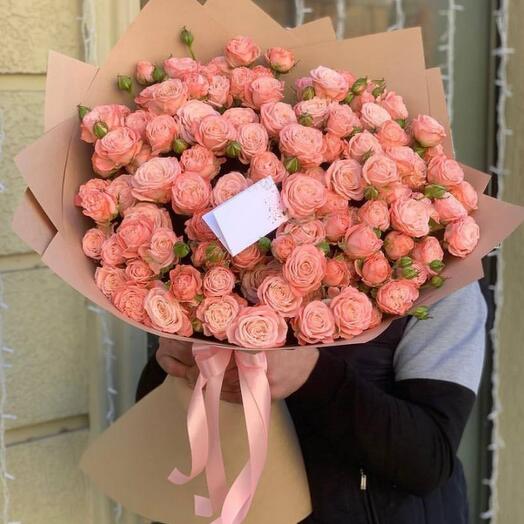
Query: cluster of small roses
[371, 197]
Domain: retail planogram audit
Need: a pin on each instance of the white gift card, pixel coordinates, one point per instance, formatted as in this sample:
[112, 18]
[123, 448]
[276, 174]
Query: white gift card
[248, 216]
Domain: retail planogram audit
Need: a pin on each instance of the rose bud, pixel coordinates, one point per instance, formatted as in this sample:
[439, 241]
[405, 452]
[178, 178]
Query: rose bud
[420, 312]
[233, 149]
[359, 86]
[280, 60]
[179, 146]
[427, 131]
[308, 93]
[187, 38]
[82, 111]
[100, 129]
[159, 75]
[434, 191]
[125, 83]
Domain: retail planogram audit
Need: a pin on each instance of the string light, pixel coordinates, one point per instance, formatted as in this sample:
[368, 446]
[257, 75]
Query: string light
[341, 9]
[400, 16]
[301, 10]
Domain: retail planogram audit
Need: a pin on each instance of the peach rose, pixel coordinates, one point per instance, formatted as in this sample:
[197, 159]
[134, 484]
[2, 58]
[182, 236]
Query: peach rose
[252, 278]
[240, 78]
[129, 299]
[185, 283]
[133, 233]
[361, 241]
[333, 147]
[164, 311]
[240, 115]
[449, 209]
[316, 108]
[362, 145]
[96, 202]
[228, 186]
[144, 72]
[352, 311]
[241, 51]
[342, 121]
[253, 139]
[461, 237]
[445, 172]
[109, 278]
[257, 327]
[153, 180]
[160, 133]
[196, 228]
[112, 115]
[142, 157]
[112, 253]
[139, 272]
[394, 105]
[411, 168]
[336, 225]
[190, 193]
[308, 232]
[218, 281]
[209, 254]
[397, 245]
[375, 213]
[304, 143]
[163, 98]
[280, 59]
[344, 177]
[390, 134]
[266, 164]
[301, 84]
[138, 120]
[115, 150]
[92, 243]
[317, 173]
[314, 324]
[217, 314]
[158, 216]
[396, 297]
[334, 204]
[180, 68]
[160, 253]
[305, 268]
[248, 258]
[278, 294]
[282, 246]
[214, 132]
[274, 116]
[410, 216]
[189, 117]
[364, 98]
[393, 192]
[466, 194]
[379, 170]
[218, 94]
[329, 83]
[373, 116]
[302, 195]
[120, 190]
[338, 273]
[264, 90]
[218, 65]
[374, 270]
[427, 131]
[197, 85]
[200, 161]
[428, 250]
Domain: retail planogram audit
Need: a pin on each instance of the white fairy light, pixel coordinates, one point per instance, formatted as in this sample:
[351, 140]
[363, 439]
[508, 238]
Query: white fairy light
[341, 7]
[88, 28]
[448, 46]
[400, 16]
[503, 53]
[301, 10]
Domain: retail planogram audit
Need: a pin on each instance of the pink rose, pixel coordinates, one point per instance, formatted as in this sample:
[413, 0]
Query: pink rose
[209, 254]
[113, 116]
[160, 254]
[144, 72]
[241, 78]
[282, 246]
[390, 134]
[433, 152]
[129, 299]
[197, 85]
[341, 121]
[428, 250]
[334, 204]
[411, 168]
[190, 193]
[305, 268]
[338, 273]
[266, 164]
[109, 278]
[278, 294]
[251, 279]
[241, 51]
[158, 216]
[264, 90]
[217, 314]
[373, 116]
[218, 94]
[253, 139]
[180, 67]
[379, 170]
[112, 253]
[393, 192]
[274, 116]
[302, 195]
[397, 245]
[218, 281]
[308, 232]
[218, 65]
[201, 161]
[165, 312]
[139, 272]
[280, 59]
[410, 216]
[314, 324]
[115, 150]
[466, 194]
[248, 258]
[304, 143]
[333, 147]
[189, 117]
[445, 172]
[142, 157]
[228, 186]
[301, 84]
[240, 115]
[364, 98]
[352, 311]
[396, 297]
[344, 177]
[375, 213]
[92, 243]
[427, 131]
[316, 108]
[328, 83]
[257, 327]
[185, 283]
[138, 120]
[197, 229]
[153, 180]
[394, 105]
[317, 173]
[336, 225]
[374, 270]
[361, 241]
[160, 133]
[461, 237]
[163, 98]
[214, 132]
[362, 145]
[133, 233]
[449, 209]
[96, 202]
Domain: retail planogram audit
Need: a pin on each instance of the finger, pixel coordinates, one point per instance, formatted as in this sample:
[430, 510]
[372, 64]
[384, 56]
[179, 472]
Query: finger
[172, 366]
[233, 398]
[182, 351]
[192, 373]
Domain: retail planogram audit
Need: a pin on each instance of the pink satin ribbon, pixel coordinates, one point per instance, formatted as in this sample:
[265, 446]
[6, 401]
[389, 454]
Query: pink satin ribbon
[204, 432]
